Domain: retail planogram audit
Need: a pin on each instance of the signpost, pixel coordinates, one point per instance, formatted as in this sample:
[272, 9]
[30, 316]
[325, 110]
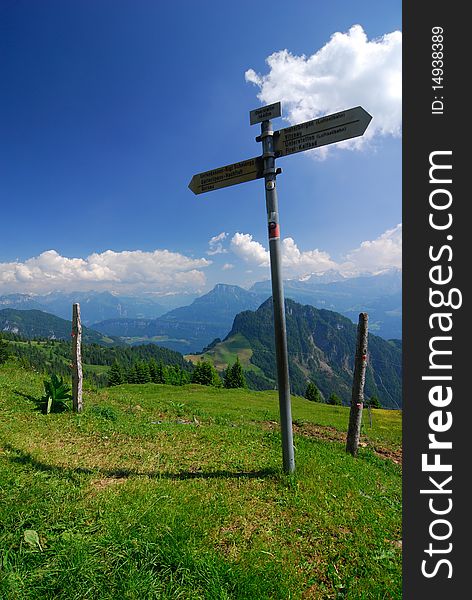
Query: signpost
[247, 170]
[305, 136]
[320, 132]
[265, 113]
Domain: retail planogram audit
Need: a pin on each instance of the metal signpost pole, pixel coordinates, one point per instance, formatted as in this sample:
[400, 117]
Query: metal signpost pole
[297, 138]
[277, 296]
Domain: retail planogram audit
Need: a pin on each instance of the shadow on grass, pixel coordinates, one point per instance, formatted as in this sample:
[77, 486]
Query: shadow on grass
[25, 458]
[37, 401]
[41, 403]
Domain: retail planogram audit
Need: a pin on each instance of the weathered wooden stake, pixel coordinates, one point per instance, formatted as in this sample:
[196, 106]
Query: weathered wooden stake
[357, 399]
[76, 359]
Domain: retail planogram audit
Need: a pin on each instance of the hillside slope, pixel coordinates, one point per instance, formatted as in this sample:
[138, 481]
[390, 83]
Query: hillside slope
[39, 324]
[379, 295]
[321, 346]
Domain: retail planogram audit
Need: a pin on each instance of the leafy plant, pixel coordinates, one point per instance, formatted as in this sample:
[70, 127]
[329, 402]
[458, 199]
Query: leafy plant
[31, 537]
[177, 408]
[106, 412]
[57, 394]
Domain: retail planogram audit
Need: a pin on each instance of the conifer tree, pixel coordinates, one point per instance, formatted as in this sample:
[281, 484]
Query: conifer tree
[234, 376]
[228, 377]
[313, 393]
[335, 400]
[156, 371]
[374, 402]
[132, 374]
[142, 372]
[4, 354]
[115, 375]
[206, 374]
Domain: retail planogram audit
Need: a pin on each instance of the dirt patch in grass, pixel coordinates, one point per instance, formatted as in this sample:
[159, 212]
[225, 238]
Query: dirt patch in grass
[395, 456]
[101, 484]
[312, 593]
[331, 434]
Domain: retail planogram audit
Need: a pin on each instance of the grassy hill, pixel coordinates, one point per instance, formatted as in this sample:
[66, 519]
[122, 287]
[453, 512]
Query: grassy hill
[176, 492]
[226, 352]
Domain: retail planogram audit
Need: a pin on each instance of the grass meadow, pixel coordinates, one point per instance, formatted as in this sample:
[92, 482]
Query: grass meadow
[164, 492]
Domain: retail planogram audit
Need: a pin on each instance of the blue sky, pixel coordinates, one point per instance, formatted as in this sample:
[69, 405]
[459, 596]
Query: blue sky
[108, 107]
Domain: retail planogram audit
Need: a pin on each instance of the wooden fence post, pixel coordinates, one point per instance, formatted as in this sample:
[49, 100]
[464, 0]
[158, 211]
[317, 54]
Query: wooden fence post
[357, 399]
[76, 359]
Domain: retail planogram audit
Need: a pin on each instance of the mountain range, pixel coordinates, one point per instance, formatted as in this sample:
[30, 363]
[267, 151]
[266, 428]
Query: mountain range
[189, 328]
[321, 346]
[35, 323]
[378, 295]
[95, 306]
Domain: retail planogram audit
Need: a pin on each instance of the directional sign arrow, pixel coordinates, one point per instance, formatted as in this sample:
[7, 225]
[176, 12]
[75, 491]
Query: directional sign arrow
[247, 170]
[319, 132]
[265, 113]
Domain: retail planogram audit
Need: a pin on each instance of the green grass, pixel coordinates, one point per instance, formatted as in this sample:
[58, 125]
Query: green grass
[96, 369]
[177, 492]
[225, 353]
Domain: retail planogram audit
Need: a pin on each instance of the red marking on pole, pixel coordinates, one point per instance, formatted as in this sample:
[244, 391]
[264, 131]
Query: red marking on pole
[274, 231]
[359, 405]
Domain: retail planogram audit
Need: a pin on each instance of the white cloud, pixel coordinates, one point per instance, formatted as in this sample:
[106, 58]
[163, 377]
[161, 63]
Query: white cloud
[310, 261]
[215, 244]
[249, 250]
[165, 272]
[382, 253]
[371, 256]
[348, 71]
[128, 270]
[294, 261]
